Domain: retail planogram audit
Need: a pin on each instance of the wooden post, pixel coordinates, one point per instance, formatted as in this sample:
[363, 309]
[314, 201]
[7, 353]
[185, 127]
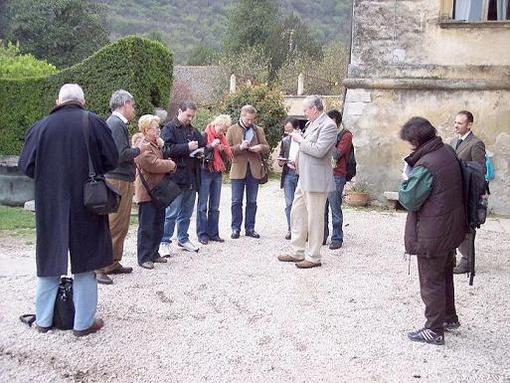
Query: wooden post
[300, 84]
[233, 83]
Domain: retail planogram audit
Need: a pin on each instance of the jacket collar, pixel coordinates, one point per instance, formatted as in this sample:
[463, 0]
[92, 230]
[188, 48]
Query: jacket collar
[428, 147]
[68, 105]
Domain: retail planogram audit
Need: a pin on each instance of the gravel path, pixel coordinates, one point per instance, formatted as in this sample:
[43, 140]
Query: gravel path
[233, 313]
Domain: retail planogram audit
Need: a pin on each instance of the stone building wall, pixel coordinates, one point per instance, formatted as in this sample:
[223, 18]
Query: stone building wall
[406, 60]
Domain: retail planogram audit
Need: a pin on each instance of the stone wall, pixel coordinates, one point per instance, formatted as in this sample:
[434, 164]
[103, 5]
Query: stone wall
[406, 61]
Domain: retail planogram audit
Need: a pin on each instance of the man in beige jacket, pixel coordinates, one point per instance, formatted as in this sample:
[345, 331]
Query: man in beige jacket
[315, 182]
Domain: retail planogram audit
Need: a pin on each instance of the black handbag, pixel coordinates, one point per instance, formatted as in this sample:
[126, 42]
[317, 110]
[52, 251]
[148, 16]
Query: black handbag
[164, 193]
[99, 197]
[63, 312]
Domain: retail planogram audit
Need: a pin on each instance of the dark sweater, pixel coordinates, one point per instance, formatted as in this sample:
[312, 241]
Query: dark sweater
[125, 169]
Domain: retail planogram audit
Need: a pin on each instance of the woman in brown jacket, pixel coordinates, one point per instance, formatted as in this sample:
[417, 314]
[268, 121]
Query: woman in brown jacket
[153, 167]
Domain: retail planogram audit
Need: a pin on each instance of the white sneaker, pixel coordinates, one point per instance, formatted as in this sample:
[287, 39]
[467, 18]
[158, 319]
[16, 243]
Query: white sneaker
[165, 248]
[188, 246]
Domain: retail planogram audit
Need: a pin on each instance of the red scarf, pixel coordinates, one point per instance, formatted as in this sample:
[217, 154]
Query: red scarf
[217, 165]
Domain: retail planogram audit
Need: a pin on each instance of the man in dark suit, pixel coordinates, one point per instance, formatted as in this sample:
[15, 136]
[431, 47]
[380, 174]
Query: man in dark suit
[468, 148]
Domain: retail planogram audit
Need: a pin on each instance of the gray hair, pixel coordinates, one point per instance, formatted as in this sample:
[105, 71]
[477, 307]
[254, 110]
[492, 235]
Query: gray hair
[314, 100]
[119, 98]
[71, 92]
[248, 109]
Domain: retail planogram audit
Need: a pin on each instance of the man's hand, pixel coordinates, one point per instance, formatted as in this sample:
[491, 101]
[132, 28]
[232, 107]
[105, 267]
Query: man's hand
[255, 148]
[297, 137]
[291, 165]
[192, 145]
[244, 145]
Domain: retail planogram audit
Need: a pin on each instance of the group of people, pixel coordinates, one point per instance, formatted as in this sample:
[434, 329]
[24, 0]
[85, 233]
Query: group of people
[313, 161]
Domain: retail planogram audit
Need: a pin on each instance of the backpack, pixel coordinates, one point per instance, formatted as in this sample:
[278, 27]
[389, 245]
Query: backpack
[489, 165]
[474, 190]
[350, 159]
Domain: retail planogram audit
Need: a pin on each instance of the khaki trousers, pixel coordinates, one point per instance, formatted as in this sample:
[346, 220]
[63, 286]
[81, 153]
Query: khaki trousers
[119, 222]
[307, 221]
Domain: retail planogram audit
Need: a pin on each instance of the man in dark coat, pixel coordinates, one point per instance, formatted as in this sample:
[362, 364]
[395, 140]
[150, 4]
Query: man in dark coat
[55, 155]
[435, 224]
[468, 148]
[186, 147]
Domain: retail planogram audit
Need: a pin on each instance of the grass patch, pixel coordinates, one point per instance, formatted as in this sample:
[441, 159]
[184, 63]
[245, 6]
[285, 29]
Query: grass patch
[16, 219]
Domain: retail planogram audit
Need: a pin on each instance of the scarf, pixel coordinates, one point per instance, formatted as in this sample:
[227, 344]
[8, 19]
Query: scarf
[217, 164]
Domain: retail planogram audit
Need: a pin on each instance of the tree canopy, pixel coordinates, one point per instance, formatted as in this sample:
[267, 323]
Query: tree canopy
[64, 32]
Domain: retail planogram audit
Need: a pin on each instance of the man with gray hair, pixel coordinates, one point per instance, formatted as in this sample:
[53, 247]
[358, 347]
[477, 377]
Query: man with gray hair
[55, 155]
[122, 105]
[315, 182]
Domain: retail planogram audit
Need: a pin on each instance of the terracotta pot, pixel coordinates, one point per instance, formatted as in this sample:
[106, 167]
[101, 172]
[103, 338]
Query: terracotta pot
[356, 199]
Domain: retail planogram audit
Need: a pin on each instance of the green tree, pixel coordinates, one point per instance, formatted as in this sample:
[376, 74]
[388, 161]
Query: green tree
[250, 23]
[13, 65]
[64, 32]
[203, 55]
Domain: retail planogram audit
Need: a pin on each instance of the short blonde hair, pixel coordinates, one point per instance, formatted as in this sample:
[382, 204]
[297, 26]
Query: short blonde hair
[145, 122]
[222, 119]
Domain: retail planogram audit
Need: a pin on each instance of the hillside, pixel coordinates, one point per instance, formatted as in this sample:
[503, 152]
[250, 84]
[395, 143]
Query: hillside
[184, 24]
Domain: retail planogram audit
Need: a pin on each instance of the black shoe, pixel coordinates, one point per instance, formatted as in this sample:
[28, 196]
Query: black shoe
[426, 335]
[451, 325]
[203, 240]
[217, 239]
[235, 234]
[288, 235]
[335, 245]
[103, 279]
[252, 233]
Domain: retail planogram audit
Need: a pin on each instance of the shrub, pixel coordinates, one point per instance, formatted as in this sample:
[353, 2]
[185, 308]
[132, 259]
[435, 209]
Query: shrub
[141, 66]
[15, 65]
[269, 104]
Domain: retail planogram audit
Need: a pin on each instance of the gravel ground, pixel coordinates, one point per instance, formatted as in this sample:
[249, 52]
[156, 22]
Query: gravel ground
[233, 313]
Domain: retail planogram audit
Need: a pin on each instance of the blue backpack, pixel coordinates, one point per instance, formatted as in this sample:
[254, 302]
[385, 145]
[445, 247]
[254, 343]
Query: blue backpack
[489, 166]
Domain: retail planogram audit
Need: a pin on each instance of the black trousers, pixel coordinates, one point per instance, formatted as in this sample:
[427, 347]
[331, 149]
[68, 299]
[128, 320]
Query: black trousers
[150, 231]
[437, 291]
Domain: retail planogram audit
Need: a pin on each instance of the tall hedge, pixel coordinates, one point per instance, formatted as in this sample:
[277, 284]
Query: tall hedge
[140, 66]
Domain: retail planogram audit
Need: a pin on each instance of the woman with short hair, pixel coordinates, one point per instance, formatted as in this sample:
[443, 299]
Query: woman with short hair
[153, 168]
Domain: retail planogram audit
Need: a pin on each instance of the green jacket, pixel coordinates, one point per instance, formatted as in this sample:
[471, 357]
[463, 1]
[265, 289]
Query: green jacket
[416, 189]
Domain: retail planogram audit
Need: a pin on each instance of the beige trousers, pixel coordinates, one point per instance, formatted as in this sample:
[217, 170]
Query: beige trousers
[119, 222]
[307, 221]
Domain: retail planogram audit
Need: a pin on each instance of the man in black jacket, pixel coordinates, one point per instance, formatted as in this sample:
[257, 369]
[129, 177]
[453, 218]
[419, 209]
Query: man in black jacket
[122, 105]
[185, 146]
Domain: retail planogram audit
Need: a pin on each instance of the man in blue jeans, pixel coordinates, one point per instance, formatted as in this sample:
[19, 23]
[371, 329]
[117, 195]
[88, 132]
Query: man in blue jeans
[181, 143]
[339, 153]
[248, 143]
[56, 157]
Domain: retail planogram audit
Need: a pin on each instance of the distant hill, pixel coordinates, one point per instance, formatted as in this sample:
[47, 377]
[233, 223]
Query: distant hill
[184, 24]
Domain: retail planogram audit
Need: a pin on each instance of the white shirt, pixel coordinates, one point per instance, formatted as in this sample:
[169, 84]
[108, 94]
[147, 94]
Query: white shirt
[121, 116]
[465, 136]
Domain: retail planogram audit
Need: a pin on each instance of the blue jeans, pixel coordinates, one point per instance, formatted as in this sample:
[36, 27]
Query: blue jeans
[252, 188]
[289, 187]
[337, 218]
[180, 211]
[209, 194]
[84, 297]
[150, 230]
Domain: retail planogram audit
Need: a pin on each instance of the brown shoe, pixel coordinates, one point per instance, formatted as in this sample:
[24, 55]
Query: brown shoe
[121, 270]
[288, 258]
[307, 264]
[95, 327]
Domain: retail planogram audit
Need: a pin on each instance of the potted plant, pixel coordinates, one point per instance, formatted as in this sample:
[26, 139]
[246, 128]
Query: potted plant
[358, 193]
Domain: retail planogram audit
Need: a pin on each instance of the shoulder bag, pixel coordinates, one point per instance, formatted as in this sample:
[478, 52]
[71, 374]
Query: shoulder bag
[99, 197]
[164, 193]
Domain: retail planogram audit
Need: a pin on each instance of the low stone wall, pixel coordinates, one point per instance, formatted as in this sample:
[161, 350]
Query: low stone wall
[15, 188]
